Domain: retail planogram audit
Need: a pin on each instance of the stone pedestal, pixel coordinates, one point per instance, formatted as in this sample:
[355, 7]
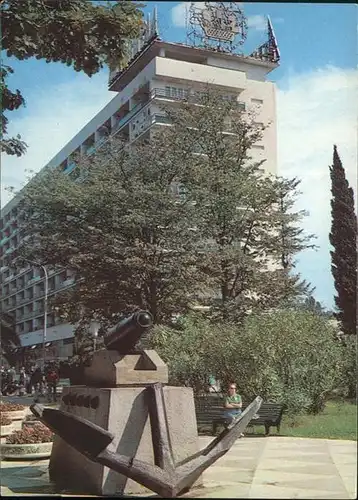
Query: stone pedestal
[111, 369]
[122, 411]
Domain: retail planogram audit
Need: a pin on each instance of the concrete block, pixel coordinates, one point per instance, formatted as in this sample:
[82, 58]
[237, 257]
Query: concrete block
[122, 411]
[111, 369]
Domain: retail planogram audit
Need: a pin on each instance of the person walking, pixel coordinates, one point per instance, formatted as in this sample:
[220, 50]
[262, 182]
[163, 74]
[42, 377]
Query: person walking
[52, 380]
[37, 382]
[22, 382]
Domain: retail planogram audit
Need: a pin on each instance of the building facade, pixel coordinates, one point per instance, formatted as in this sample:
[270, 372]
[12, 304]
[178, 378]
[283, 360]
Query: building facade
[158, 71]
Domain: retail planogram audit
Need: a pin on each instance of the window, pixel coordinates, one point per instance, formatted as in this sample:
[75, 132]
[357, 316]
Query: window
[28, 326]
[176, 92]
[68, 341]
[258, 146]
[257, 101]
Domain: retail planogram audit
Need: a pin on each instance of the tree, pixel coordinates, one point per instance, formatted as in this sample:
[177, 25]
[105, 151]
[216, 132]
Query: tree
[134, 244]
[246, 217]
[343, 238]
[79, 33]
[129, 239]
[291, 357]
[9, 338]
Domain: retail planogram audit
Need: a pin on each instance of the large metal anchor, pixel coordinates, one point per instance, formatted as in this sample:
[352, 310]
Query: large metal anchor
[165, 477]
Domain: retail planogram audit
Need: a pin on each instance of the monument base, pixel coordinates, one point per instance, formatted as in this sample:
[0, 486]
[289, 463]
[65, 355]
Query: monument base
[122, 411]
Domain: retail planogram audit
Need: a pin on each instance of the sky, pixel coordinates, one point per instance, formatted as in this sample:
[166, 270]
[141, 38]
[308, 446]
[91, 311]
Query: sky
[317, 100]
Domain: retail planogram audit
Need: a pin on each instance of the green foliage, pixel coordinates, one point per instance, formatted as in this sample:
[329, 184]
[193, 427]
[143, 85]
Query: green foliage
[133, 243]
[245, 218]
[338, 420]
[9, 338]
[79, 33]
[121, 229]
[291, 357]
[343, 238]
[350, 365]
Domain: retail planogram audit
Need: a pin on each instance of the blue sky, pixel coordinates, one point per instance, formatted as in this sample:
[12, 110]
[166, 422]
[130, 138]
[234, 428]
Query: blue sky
[316, 106]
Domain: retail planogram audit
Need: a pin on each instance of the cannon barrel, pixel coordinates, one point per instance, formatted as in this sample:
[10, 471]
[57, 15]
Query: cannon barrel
[124, 335]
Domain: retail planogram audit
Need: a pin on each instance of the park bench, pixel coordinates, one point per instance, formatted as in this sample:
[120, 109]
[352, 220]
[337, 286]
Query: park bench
[209, 411]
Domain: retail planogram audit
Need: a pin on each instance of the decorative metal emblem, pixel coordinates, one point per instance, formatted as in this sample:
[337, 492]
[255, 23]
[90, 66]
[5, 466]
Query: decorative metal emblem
[219, 26]
[268, 51]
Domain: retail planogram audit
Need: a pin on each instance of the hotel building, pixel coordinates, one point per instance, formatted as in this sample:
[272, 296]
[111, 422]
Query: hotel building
[158, 72]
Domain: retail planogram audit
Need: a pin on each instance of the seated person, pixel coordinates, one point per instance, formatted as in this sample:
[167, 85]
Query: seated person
[233, 404]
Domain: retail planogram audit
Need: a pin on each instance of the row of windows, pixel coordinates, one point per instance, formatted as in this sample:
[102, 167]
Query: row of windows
[33, 325]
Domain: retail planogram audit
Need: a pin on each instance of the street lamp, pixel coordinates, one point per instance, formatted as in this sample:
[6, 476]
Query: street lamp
[94, 327]
[44, 336]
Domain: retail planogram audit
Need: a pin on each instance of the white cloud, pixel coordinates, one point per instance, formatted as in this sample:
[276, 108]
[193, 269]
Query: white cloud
[315, 111]
[53, 116]
[180, 16]
[180, 13]
[257, 22]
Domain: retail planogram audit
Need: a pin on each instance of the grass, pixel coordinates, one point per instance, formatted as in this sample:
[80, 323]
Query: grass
[337, 421]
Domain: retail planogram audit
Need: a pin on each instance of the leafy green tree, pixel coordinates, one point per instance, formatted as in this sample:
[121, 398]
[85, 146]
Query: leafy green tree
[134, 243]
[247, 221]
[9, 339]
[290, 357]
[343, 238]
[79, 33]
[129, 239]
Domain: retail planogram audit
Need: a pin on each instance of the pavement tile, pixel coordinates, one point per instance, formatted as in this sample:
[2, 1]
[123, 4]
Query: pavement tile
[242, 463]
[299, 467]
[270, 491]
[350, 483]
[299, 481]
[299, 457]
[343, 458]
[224, 474]
[273, 467]
[313, 494]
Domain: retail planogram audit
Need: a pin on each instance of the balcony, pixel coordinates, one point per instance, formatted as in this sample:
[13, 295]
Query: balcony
[166, 69]
[67, 282]
[9, 278]
[4, 240]
[33, 280]
[31, 314]
[69, 167]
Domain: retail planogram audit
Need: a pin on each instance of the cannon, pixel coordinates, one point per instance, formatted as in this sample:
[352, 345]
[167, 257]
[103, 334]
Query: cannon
[126, 431]
[124, 335]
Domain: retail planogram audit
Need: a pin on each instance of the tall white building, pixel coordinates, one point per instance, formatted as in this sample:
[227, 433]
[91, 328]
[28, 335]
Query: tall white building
[158, 71]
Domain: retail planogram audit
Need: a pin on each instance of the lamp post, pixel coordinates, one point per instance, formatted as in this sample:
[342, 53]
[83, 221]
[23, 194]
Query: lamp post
[94, 327]
[44, 336]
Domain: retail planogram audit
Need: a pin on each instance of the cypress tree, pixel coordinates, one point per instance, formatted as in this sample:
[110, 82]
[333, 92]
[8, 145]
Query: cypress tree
[343, 238]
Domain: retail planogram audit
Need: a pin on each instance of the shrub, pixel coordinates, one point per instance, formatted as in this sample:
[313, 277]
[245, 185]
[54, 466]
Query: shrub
[5, 420]
[39, 433]
[4, 406]
[291, 357]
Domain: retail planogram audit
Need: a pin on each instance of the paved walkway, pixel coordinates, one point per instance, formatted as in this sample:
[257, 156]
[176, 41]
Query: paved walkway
[255, 467]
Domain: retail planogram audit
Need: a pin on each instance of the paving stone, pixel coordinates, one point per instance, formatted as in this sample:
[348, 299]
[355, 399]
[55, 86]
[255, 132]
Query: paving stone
[274, 467]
